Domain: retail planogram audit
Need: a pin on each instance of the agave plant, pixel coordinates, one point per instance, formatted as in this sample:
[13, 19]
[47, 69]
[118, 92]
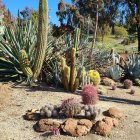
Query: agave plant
[14, 40]
[132, 67]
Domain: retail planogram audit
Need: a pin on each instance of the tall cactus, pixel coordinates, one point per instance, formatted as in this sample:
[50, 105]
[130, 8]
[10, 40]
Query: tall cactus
[41, 37]
[77, 38]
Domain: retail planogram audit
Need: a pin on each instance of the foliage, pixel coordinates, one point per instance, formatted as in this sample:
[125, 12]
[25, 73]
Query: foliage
[89, 95]
[23, 37]
[120, 32]
[71, 107]
[127, 84]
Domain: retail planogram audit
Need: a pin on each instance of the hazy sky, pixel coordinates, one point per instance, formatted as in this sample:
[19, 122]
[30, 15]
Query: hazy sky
[14, 5]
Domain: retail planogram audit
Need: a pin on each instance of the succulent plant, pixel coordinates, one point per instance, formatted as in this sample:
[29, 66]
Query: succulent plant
[90, 95]
[91, 112]
[49, 111]
[42, 37]
[94, 77]
[127, 84]
[71, 107]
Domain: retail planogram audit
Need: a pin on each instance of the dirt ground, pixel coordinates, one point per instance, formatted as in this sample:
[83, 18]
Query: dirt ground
[14, 105]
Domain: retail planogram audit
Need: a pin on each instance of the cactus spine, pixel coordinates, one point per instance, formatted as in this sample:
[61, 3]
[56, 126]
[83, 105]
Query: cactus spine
[25, 63]
[41, 37]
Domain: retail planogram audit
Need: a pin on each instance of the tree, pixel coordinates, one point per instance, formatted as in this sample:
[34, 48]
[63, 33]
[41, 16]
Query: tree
[133, 16]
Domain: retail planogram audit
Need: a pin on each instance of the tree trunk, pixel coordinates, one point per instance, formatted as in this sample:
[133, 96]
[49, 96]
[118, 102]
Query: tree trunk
[113, 28]
[138, 30]
[95, 32]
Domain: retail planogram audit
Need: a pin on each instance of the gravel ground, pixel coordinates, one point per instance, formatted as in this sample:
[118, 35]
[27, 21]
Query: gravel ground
[15, 104]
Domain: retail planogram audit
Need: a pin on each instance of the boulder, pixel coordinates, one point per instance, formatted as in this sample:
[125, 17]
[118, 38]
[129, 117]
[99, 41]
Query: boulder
[108, 82]
[113, 113]
[47, 125]
[113, 122]
[102, 128]
[76, 128]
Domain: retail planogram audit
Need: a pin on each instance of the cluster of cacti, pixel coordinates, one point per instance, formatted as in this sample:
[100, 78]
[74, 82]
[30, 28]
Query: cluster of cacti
[94, 77]
[71, 107]
[90, 95]
[70, 77]
[127, 84]
[91, 112]
[41, 37]
[25, 63]
[49, 111]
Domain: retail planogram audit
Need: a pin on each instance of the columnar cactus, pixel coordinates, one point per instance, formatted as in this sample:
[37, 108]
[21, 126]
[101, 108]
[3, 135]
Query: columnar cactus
[77, 38]
[89, 95]
[41, 37]
[73, 68]
[25, 63]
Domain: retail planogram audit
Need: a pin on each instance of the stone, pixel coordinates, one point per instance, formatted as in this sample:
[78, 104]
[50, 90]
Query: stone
[32, 115]
[108, 82]
[101, 90]
[113, 122]
[102, 128]
[77, 128]
[45, 125]
[113, 113]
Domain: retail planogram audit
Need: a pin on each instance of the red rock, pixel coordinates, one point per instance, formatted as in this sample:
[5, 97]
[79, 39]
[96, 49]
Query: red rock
[76, 128]
[113, 113]
[46, 125]
[102, 128]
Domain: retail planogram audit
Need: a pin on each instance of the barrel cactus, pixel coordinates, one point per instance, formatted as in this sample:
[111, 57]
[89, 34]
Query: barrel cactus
[128, 84]
[71, 107]
[41, 37]
[90, 95]
[94, 77]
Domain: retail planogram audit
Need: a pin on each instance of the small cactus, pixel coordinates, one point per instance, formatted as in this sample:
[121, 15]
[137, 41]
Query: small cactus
[94, 77]
[91, 112]
[49, 111]
[127, 84]
[90, 95]
[71, 107]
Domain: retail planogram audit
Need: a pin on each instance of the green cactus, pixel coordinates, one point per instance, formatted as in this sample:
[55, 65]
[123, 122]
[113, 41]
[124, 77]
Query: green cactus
[41, 37]
[73, 68]
[77, 38]
[25, 63]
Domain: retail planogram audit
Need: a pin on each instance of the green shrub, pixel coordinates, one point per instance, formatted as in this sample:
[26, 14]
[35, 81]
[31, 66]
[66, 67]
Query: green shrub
[120, 32]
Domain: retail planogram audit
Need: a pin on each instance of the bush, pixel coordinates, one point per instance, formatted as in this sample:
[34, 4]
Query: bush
[120, 32]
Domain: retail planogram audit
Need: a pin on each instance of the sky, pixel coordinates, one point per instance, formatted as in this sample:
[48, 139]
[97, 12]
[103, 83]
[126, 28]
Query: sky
[14, 5]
